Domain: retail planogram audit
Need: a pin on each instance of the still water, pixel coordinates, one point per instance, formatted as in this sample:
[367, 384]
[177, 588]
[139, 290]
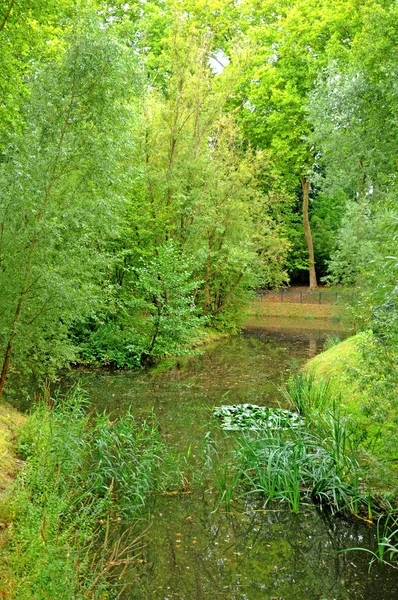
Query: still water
[193, 549]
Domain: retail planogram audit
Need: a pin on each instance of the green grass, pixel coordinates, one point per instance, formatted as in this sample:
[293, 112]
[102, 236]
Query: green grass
[374, 416]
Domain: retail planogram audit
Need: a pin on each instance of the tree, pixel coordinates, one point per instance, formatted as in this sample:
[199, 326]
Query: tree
[55, 179]
[200, 186]
[352, 111]
[290, 43]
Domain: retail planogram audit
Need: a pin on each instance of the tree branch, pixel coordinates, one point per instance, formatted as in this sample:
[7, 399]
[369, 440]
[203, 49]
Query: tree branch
[3, 23]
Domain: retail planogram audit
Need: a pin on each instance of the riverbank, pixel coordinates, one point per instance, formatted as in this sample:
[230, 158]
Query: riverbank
[374, 418]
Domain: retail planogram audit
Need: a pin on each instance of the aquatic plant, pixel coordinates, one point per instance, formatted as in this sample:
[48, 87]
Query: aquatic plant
[252, 417]
[284, 456]
[294, 466]
[85, 482]
[387, 542]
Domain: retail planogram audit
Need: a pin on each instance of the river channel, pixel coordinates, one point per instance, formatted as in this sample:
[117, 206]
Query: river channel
[193, 549]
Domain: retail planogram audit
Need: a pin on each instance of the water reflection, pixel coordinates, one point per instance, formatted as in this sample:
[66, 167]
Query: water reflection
[254, 554]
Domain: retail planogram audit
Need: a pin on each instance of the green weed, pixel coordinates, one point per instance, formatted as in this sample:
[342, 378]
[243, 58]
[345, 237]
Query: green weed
[85, 483]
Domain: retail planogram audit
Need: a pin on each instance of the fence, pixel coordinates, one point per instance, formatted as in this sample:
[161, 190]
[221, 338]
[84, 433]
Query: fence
[302, 296]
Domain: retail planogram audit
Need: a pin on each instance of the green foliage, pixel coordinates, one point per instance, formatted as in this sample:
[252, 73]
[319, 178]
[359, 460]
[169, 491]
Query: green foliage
[108, 344]
[324, 456]
[309, 395]
[290, 45]
[56, 179]
[197, 233]
[104, 173]
[352, 111]
[295, 464]
[30, 34]
[166, 291]
[84, 484]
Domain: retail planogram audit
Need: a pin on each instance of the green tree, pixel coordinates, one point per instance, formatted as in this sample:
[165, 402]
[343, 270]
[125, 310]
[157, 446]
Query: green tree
[31, 33]
[166, 294]
[290, 44]
[201, 187]
[353, 114]
[57, 180]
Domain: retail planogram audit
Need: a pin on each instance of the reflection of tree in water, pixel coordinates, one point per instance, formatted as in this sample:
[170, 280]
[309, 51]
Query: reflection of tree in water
[258, 553]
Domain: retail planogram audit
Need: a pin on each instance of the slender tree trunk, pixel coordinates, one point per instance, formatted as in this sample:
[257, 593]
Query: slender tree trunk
[305, 184]
[5, 19]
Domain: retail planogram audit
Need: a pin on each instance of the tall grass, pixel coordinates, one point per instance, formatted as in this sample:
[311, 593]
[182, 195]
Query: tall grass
[308, 395]
[84, 484]
[296, 466]
[315, 461]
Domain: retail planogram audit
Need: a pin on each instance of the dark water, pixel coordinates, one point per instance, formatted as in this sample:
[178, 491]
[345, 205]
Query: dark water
[194, 550]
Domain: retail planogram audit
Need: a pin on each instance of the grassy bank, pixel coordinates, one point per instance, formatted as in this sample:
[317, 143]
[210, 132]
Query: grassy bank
[373, 415]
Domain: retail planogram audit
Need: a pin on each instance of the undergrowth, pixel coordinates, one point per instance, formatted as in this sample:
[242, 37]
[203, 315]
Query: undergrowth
[77, 501]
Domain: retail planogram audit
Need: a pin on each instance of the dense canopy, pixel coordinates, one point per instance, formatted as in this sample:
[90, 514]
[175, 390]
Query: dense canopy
[161, 160]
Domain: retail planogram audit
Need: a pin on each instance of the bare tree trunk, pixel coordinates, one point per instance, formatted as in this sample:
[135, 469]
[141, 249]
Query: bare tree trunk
[305, 184]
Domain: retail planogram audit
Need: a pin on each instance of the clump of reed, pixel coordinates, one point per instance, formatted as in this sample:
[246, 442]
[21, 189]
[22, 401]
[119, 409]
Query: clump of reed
[84, 484]
[313, 462]
[308, 395]
[299, 466]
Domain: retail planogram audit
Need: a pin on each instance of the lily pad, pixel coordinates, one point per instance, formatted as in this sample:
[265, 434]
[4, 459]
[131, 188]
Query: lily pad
[251, 417]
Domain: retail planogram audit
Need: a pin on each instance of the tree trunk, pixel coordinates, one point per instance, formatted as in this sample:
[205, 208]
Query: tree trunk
[5, 19]
[305, 184]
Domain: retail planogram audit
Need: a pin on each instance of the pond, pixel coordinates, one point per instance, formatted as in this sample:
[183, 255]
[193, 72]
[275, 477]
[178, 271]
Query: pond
[194, 549]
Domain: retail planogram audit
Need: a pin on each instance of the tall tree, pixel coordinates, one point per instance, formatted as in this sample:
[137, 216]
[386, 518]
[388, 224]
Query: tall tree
[290, 43]
[55, 178]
